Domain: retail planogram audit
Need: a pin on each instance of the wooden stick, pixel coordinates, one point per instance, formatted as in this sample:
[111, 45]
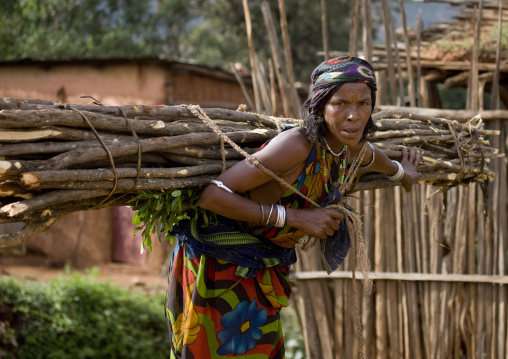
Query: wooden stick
[40, 118]
[276, 56]
[401, 276]
[389, 55]
[128, 184]
[367, 29]
[494, 93]
[411, 84]
[132, 111]
[80, 156]
[353, 34]
[288, 59]
[101, 174]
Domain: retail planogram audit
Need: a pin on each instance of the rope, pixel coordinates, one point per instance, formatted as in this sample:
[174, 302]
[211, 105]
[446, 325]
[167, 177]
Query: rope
[110, 156]
[108, 152]
[459, 154]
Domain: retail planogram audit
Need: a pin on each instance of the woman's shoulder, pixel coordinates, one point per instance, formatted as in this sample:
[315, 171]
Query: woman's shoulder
[294, 137]
[286, 150]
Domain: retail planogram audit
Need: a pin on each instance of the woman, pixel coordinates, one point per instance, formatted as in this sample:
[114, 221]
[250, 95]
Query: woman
[228, 279]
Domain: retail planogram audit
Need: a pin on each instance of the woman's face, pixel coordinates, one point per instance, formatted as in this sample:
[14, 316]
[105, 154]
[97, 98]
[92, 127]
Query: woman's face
[346, 113]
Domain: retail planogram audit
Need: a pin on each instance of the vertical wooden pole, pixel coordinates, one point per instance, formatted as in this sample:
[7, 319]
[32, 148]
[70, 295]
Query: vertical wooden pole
[379, 266]
[387, 19]
[501, 239]
[288, 57]
[368, 300]
[494, 93]
[324, 29]
[277, 58]
[273, 87]
[252, 56]
[399, 65]
[353, 34]
[411, 84]
[473, 75]
[264, 87]
[243, 87]
[419, 87]
[382, 89]
[367, 29]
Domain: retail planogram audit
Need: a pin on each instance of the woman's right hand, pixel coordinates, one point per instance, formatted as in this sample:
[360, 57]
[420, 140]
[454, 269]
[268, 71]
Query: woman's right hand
[316, 222]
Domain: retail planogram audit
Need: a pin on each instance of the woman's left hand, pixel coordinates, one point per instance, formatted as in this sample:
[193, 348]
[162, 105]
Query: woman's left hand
[410, 161]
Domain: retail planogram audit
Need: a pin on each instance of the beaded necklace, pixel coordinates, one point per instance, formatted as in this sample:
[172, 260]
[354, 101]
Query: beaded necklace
[342, 169]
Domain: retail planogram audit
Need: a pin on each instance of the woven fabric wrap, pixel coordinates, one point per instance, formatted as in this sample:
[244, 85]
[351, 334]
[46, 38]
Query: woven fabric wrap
[228, 241]
[344, 69]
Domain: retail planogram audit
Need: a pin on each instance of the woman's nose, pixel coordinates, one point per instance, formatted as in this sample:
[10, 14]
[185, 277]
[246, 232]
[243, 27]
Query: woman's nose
[353, 113]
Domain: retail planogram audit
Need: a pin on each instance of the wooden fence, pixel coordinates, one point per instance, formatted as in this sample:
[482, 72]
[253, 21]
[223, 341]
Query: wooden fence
[439, 262]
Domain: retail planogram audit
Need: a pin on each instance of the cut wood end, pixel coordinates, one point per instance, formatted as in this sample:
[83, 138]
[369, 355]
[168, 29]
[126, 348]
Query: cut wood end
[4, 166]
[28, 179]
[24, 195]
[159, 125]
[183, 172]
[260, 130]
[13, 209]
[28, 135]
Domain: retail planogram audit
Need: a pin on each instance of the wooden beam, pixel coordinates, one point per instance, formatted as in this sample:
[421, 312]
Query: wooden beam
[459, 80]
[412, 277]
[452, 115]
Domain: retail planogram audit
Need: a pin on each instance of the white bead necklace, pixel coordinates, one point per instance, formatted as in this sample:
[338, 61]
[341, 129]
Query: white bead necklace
[329, 149]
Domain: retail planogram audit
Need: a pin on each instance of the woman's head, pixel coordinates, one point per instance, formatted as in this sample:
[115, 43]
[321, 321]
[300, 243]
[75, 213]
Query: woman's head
[327, 78]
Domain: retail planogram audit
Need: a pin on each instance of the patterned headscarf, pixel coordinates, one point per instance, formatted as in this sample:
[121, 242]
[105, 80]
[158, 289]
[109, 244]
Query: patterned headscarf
[344, 69]
[327, 78]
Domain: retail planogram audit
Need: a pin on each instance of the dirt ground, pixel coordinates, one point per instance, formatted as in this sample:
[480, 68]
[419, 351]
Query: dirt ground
[39, 268]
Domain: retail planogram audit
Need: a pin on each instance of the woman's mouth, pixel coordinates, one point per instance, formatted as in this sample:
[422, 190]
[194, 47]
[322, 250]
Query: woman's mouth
[350, 132]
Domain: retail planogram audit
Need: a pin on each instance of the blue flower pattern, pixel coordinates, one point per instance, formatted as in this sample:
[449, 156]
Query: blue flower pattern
[241, 328]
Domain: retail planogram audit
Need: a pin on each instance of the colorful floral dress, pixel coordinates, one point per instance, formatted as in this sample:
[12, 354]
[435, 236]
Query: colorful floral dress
[227, 283]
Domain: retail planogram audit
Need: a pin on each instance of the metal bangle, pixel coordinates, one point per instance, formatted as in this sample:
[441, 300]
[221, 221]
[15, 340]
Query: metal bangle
[281, 213]
[373, 157]
[400, 173]
[262, 213]
[221, 185]
[268, 219]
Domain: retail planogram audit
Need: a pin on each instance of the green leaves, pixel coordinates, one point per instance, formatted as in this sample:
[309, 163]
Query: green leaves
[158, 212]
[77, 316]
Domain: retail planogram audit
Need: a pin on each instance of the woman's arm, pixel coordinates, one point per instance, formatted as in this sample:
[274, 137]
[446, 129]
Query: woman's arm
[284, 153]
[383, 164]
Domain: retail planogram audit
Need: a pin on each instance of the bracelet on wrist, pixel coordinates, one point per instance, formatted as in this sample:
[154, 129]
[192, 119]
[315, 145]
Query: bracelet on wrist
[400, 173]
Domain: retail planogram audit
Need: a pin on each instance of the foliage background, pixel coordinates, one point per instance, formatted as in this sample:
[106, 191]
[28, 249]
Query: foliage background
[209, 32]
[77, 316]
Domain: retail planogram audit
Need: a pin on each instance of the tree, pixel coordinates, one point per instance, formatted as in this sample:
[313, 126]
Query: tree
[63, 29]
[224, 26]
[211, 32]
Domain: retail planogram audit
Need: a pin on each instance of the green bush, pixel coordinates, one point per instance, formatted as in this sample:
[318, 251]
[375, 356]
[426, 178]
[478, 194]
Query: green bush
[78, 317]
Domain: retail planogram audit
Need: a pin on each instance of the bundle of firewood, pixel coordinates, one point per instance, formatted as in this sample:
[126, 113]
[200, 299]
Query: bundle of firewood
[58, 158]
